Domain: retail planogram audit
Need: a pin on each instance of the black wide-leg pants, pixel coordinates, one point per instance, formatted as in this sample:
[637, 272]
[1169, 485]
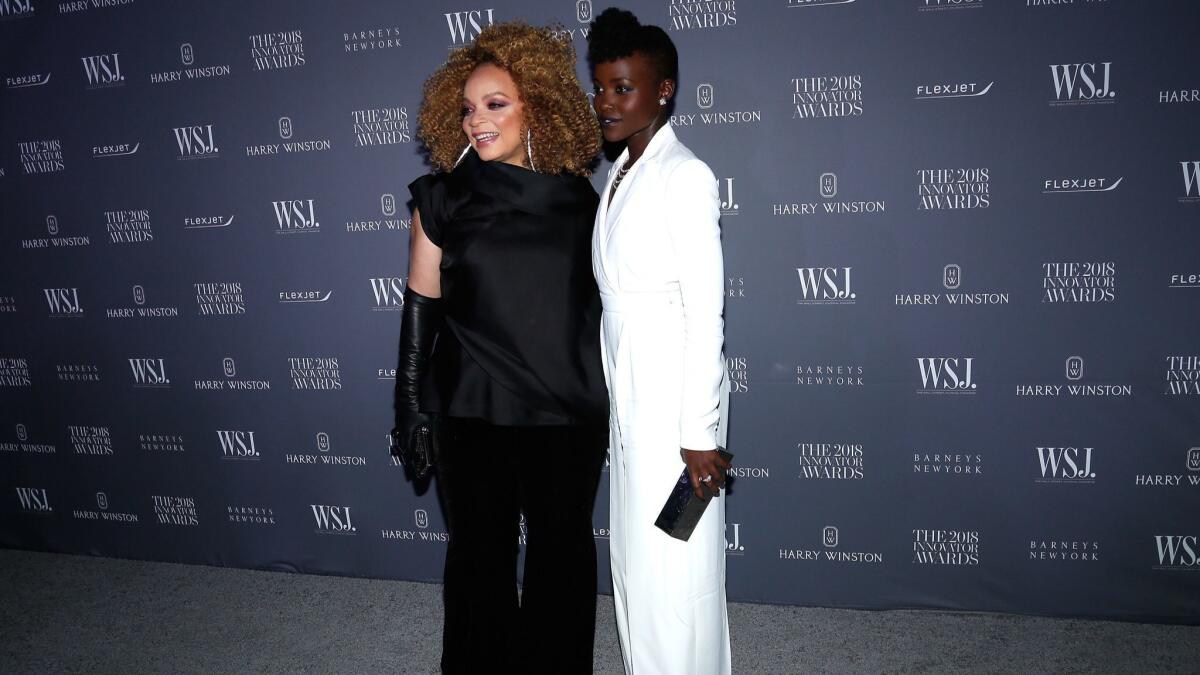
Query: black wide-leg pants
[488, 476]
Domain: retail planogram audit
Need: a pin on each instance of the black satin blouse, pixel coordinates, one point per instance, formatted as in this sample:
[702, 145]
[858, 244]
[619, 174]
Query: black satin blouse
[521, 343]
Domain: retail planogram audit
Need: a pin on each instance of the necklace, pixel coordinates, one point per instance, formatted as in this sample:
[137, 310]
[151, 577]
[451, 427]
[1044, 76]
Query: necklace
[617, 180]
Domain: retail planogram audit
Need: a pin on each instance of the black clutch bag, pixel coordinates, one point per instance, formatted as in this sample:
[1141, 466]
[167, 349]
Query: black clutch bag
[418, 454]
[683, 508]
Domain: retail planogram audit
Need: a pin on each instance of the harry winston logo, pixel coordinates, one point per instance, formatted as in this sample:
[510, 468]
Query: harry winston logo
[102, 501]
[22, 433]
[228, 367]
[1193, 459]
[951, 276]
[52, 225]
[186, 55]
[704, 95]
[829, 536]
[139, 295]
[1074, 368]
[421, 518]
[322, 441]
[285, 127]
[583, 11]
[387, 204]
[828, 185]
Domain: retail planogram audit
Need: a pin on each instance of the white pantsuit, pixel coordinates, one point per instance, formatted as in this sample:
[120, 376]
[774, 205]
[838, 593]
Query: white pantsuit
[656, 254]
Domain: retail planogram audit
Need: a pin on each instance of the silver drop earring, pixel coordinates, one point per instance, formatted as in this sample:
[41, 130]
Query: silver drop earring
[662, 100]
[462, 154]
[529, 149]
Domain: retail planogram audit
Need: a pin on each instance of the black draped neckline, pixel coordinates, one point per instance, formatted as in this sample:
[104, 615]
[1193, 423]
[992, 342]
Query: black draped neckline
[530, 191]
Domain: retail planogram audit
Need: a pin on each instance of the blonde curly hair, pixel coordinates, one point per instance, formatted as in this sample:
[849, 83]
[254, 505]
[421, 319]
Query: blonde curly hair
[564, 132]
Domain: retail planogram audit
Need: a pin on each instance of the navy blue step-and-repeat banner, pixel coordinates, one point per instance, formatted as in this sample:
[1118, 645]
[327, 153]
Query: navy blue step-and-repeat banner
[962, 244]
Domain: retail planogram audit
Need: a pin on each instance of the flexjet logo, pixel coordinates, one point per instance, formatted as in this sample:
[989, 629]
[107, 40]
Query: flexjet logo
[149, 372]
[1176, 552]
[388, 293]
[103, 70]
[34, 500]
[466, 25]
[825, 286]
[63, 302]
[333, 519]
[295, 216]
[946, 375]
[1065, 465]
[238, 445]
[196, 142]
[1082, 83]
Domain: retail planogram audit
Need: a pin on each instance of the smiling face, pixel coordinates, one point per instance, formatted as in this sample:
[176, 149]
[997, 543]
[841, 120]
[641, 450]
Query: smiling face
[493, 115]
[627, 94]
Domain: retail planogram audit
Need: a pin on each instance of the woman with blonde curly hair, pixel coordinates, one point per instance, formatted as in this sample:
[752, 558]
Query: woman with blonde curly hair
[500, 275]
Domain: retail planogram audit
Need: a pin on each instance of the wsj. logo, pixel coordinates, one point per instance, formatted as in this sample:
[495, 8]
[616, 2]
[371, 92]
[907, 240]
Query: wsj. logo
[322, 441]
[728, 206]
[296, 215]
[139, 295]
[704, 96]
[734, 547]
[1174, 550]
[583, 11]
[1082, 82]
[465, 26]
[228, 367]
[825, 285]
[951, 276]
[149, 372]
[1074, 367]
[52, 225]
[34, 500]
[389, 293]
[1191, 181]
[421, 518]
[333, 519]
[1193, 459]
[829, 536]
[102, 501]
[237, 444]
[103, 70]
[946, 375]
[828, 185]
[1066, 465]
[63, 301]
[22, 433]
[186, 54]
[285, 127]
[15, 9]
[196, 141]
[387, 204]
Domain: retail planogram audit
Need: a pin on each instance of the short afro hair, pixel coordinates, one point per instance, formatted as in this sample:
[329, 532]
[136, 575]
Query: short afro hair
[564, 131]
[617, 33]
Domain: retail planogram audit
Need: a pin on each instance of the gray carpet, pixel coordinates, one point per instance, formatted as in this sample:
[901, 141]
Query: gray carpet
[76, 614]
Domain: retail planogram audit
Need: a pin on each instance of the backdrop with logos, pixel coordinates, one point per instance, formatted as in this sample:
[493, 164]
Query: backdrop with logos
[943, 396]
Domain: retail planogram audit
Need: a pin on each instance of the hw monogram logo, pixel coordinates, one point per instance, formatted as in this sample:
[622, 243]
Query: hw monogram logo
[704, 96]
[1074, 368]
[829, 536]
[139, 295]
[1193, 459]
[285, 127]
[951, 276]
[102, 501]
[466, 25]
[583, 11]
[52, 225]
[185, 54]
[322, 441]
[22, 433]
[421, 518]
[387, 204]
[828, 185]
[228, 367]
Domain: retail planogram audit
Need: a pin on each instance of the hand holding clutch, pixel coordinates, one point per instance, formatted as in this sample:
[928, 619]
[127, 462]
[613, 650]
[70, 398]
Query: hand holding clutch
[684, 505]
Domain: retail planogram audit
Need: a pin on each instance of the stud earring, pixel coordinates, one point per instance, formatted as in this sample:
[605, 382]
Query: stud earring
[662, 100]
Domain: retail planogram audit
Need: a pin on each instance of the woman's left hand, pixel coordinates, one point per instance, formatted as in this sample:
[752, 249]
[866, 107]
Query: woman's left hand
[705, 467]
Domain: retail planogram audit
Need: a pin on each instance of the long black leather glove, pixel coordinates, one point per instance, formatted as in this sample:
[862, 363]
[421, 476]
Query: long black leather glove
[418, 330]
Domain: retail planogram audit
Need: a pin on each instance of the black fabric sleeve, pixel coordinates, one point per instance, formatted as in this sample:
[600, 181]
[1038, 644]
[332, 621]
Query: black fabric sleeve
[429, 197]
